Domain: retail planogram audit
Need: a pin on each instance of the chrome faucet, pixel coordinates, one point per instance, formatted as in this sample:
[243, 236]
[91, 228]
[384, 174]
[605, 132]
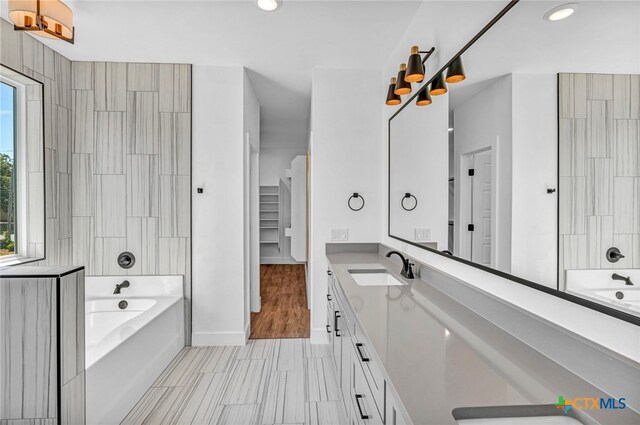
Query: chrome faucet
[407, 266]
[627, 280]
[119, 286]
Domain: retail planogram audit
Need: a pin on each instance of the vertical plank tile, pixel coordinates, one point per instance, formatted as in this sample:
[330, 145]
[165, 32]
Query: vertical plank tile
[142, 76]
[165, 87]
[599, 86]
[106, 255]
[110, 142]
[285, 403]
[10, 46]
[573, 204]
[623, 207]
[82, 75]
[110, 86]
[143, 122]
[83, 243]
[83, 185]
[599, 128]
[142, 186]
[182, 88]
[599, 186]
[627, 148]
[142, 241]
[626, 98]
[62, 68]
[172, 254]
[175, 209]
[247, 382]
[64, 205]
[63, 138]
[110, 201]
[32, 54]
[51, 183]
[83, 121]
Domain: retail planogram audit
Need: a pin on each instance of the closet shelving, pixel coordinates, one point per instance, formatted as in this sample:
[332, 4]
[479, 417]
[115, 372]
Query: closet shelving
[269, 215]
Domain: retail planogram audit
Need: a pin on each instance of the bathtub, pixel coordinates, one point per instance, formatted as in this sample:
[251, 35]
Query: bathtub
[127, 349]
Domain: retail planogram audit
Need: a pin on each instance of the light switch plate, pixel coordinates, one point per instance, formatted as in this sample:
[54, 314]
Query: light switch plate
[339, 234]
[422, 235]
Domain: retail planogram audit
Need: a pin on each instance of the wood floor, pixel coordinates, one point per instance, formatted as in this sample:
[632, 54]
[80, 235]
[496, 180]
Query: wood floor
[284, 312]
[275, 381]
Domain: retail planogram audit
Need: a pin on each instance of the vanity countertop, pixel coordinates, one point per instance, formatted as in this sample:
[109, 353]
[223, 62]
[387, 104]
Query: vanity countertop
[441, 354]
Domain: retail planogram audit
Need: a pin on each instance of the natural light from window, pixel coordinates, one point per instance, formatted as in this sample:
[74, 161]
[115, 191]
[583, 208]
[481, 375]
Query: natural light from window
[7, 170]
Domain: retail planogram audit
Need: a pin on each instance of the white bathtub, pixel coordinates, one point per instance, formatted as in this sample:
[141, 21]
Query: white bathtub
[127, 349]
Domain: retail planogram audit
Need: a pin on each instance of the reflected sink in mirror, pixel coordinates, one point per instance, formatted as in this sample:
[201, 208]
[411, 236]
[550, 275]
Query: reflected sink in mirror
[375, 277]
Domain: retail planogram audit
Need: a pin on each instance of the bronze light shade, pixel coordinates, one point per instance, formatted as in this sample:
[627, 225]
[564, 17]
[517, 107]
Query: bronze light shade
[438, 86]
[415, 68]
[424, 98]
[402, 87]
[392, 98]
[455, 72]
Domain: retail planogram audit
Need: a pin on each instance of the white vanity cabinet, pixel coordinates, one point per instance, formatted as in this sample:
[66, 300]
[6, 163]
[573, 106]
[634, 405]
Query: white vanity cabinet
[361, 377]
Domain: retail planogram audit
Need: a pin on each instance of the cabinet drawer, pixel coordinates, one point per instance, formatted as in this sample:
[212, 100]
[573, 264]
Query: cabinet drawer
[366, 411]
[371, 369]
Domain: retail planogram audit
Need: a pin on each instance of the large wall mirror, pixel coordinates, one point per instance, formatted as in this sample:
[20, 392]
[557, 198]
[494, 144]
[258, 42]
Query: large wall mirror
[530, 166]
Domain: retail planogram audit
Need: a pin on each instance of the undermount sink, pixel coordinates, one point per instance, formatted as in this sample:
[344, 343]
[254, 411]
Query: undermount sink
[375, 277]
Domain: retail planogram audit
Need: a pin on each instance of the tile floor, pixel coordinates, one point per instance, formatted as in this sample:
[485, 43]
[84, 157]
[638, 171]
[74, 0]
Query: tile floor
[269, 381]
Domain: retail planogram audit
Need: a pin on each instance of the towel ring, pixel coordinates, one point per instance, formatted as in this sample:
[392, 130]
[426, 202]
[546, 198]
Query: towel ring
[355, 195]
[409, 196]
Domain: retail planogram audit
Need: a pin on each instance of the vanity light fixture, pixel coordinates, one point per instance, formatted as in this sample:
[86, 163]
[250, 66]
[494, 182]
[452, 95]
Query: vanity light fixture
[455, 72]
[415, 64]
[424, 98]
[438, 86]
[392, 98]
[46, 18]
[268, 5]
[402, 86]
[561, 12]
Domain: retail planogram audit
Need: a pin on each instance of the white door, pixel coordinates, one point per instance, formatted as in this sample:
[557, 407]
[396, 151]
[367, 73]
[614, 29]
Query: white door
[481, 209]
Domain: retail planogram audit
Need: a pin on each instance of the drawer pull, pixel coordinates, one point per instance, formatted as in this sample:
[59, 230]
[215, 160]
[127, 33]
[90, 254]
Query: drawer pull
[329, 297]
[328, 329]
[329, 272]
[362, 357]
[335, 323]
[362, 415]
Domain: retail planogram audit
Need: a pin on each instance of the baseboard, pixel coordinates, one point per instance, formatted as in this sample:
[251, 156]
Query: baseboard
[319, 336]
[213, 339]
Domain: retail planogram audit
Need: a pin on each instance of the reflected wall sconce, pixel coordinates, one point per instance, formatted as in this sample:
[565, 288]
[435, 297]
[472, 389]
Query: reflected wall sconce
[407, 197]
[392, 98]
[455, 72]
[411, 72]
[415, 68]
[46, 18]
[355, 196]
[424, 98]
[438, 86]
[402, 86]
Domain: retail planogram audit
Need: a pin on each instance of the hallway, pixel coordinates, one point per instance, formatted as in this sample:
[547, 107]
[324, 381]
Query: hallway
[284, 312]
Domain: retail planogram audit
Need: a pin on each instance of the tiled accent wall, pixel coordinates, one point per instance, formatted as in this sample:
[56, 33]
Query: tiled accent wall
[27, 55]
[132, 168]
[599, 170]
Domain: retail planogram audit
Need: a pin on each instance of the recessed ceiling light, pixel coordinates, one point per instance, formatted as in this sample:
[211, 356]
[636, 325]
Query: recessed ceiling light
[268, 5]
[561, 12]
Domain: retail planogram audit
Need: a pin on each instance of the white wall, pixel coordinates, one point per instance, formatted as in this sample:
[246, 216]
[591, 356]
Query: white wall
[274, 161]
[534, 227]
[480, 122]
[419, 155]
[345, 158]
[219, 289]
[251, 130]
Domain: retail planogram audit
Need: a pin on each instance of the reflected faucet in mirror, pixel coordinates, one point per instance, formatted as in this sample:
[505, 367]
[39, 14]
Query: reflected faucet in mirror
[407, 266]
[119, 286]
[627, 280]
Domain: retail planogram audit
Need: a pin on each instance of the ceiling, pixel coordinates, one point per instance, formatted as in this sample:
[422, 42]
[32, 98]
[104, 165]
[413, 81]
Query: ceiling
[279, 49]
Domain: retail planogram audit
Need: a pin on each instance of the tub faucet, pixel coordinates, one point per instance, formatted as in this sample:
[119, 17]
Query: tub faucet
[407, 270]
[119, 286]
[627, 280]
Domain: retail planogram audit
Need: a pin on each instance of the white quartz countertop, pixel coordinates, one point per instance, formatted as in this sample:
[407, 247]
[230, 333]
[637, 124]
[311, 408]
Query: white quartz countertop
[441, 355]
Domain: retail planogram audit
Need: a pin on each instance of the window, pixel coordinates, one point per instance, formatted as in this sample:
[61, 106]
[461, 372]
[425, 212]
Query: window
[22, 200]
[8, 175]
